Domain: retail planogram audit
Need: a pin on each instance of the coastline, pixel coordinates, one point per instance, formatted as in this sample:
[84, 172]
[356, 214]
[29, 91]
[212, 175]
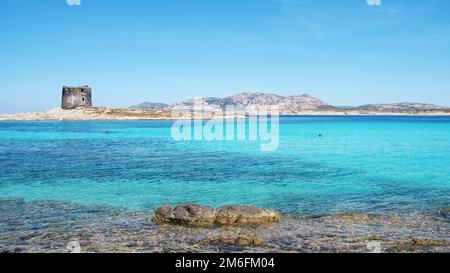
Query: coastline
[111, 114]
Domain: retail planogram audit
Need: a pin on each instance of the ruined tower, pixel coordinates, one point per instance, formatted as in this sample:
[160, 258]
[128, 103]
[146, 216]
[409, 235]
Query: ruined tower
[73, 97]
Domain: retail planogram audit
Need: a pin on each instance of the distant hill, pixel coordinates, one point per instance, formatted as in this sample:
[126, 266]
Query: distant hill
[149, 105]
[287, 104]
[403, 106]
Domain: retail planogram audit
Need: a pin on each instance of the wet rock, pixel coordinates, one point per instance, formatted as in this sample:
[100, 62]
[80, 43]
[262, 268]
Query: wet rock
[189, 214]
[445, 212]
[196, 215]
[230, 215]
[164, 212]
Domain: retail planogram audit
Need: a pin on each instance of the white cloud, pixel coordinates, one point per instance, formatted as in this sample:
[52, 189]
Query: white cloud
[374, 2]
[73, 2]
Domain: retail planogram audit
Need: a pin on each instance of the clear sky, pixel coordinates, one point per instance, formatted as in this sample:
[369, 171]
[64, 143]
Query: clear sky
[345, 52]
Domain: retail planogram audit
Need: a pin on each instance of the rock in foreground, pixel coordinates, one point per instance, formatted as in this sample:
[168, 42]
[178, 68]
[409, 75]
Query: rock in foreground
[445, 212]
[196, 215]
[189, 214]
[229, 215]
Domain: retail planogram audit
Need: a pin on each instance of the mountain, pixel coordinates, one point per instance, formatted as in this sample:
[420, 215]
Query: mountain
[403, 106]
[148, 105]
[288, 104]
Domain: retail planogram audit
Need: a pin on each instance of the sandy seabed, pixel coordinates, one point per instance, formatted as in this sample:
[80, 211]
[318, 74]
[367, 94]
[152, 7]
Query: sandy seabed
[48, 226]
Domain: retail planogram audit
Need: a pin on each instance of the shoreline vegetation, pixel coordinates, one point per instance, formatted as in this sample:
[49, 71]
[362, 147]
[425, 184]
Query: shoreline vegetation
[99, 113]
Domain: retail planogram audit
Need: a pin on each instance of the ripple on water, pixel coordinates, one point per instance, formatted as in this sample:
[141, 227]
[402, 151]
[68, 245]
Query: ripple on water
[47, 226]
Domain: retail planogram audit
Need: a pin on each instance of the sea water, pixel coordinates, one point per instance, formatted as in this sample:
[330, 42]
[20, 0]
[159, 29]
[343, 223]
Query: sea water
[323, 165]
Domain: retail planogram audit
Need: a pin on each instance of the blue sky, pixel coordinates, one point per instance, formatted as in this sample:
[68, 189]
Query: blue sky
[345, 52]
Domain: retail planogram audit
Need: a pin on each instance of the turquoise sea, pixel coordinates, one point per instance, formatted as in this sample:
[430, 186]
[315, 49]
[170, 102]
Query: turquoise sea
[359, 164]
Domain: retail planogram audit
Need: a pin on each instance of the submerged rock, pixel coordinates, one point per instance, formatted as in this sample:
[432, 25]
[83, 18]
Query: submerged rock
[418, 245]
[354, 217]
[445, 212]
[235, 240]
[197, 215]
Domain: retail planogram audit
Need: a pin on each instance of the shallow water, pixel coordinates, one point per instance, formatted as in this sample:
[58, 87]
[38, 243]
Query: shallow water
[370, 164]
[49, 226]
[379, 165]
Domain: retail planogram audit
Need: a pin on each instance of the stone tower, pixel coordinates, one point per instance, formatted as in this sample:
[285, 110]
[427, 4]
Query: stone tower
[73, 97]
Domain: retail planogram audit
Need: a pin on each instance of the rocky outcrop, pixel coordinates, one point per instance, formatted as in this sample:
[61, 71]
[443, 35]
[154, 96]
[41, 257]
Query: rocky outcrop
[197, 215]
[189, 214]
[230, 215]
